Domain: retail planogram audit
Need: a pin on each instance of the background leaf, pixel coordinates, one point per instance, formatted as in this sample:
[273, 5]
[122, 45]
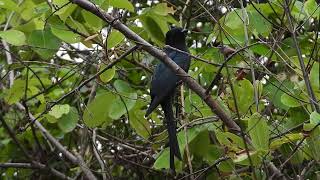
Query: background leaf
[14, 37]
[259, 132]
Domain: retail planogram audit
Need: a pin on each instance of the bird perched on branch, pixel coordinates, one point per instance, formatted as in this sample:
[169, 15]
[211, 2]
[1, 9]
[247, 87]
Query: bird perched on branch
[164, 83]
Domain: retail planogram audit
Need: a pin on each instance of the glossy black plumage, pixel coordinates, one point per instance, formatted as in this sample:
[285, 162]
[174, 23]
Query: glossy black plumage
[164, 83]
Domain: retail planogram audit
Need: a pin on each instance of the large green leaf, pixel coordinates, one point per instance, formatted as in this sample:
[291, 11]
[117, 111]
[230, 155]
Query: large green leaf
[125, 4]
[230, 140]
[162, 161]
[44, 43]
[124, 101]
[139, 123]
[233, 20]
[255, 156]
[163, 9]
[290, 101]
[66, 35]
[258, 24]
[258, 130]
[16, 92]
[59, 29]
[27, 10]
[97, 112]
[315, 118]
[58, 110]
[66, 11]
[274, 90]
[34, 24]
[8, 4]
[153, 29]
[122, 105]
[315, 76]
[108, 74]
[288, 138]
[244, 95]
[312, 9]
[13, 37]
[68, 121]
[114, 38]
[92, 21]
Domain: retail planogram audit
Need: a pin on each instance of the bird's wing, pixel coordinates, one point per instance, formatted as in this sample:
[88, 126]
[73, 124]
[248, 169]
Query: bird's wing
[164, 80]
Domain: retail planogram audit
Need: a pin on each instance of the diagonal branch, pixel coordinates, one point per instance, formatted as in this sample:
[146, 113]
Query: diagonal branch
[74, 159]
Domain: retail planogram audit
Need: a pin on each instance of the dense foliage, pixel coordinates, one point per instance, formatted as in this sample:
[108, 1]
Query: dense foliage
[71, 105]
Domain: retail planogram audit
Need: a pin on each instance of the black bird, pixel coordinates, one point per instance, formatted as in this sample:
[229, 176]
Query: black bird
[164, 83]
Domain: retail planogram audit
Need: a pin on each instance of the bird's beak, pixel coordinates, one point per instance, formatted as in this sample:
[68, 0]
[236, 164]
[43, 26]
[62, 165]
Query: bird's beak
[185, 31]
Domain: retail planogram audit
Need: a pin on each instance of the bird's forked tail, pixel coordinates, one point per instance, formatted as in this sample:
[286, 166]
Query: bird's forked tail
[171, 126]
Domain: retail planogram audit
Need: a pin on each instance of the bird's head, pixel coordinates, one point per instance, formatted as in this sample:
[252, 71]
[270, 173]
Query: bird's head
[176, 37]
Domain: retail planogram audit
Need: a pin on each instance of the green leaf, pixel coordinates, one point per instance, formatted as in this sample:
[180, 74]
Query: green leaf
[139, 123]
[108, 74]
[124, 101]
[244, 94]
[289, 138]
[68, 121]
[314, 143]
[297, 157]
[27, 10]
[98, 2]
[261, 49]
[62, 31]
[199, 145]
[34, 24]
[8, 4]
[16, 92]
[213, 153]
[153, 29]
[163, 9]
[66, 35]
[123, 4]
[258, 24]
[259, 132]
[66, 11]
[14, 37]
[161, 21]
[58, 110]
[274, 94]
[123, 87]
[194, 134]
[312, 9]
[92, 21]
[289, 101]
[114, 38]
[122, 105]
[233, 20]
[255, 156]
[44, 43]
[50, 119]
[97, 112]
[315, 76]
[78, 26]
[315, 118]
[41, 8]
[162, 160]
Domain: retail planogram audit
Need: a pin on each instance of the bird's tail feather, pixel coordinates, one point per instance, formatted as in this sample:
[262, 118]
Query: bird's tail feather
[171, 126]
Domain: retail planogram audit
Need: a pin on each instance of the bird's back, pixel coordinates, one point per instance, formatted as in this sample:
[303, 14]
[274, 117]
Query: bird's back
[164, 80]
